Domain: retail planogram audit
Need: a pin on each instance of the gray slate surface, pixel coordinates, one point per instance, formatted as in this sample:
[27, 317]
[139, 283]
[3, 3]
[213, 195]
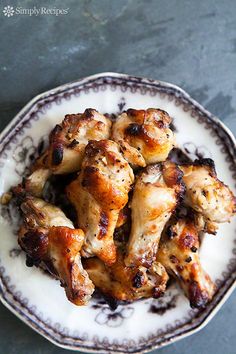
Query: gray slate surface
[189, 43]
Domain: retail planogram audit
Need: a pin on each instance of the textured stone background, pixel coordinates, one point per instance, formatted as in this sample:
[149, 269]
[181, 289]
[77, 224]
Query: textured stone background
[189, 43]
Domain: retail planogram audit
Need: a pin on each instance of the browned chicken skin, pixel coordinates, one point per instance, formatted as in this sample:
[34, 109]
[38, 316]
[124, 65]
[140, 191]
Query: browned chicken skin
[128, 239]
[178, 252]
[125, 283]
[99, 194]
[206, 194]
[49, 237]
[144, 135]
[67, 142]
[156, 193]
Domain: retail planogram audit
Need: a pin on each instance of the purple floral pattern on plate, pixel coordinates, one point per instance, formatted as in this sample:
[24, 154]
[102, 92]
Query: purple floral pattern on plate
[115, 318]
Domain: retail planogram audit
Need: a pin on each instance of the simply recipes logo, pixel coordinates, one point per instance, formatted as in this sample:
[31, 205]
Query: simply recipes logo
[10, 11]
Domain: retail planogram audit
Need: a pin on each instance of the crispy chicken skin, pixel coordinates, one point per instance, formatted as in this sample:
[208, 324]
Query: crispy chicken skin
[178, 252]
[144, 135]
[139, 206]
[49, 238]
[206, 194]
[99, 194]
[67, 143]
[125, 283]
[156, 194]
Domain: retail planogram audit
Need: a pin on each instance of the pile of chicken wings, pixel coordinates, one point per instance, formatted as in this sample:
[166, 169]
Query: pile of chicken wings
[139, 215]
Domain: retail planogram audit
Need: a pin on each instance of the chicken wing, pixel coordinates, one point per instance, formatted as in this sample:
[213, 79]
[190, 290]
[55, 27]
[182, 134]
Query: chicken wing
[49, 238]
[125, 283]
[144, 135]
[98, 194]
[178, 252]
[156, 194]
[67, 143]
[206, 194]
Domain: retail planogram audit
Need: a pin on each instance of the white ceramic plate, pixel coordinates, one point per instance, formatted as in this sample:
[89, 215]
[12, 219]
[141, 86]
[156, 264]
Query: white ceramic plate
[38, 299]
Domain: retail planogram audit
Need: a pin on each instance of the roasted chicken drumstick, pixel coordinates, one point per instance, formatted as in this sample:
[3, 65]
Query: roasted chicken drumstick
[98, 194]
[179, 254]
[48, 237]
[206, 194]
[125, 283]
[144, 135]
[67, 143]
[156, 193]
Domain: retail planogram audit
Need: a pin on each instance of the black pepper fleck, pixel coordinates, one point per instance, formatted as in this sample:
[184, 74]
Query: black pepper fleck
[194, 249]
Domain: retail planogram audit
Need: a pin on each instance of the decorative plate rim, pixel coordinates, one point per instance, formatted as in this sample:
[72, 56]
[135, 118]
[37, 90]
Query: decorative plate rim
[227, 289]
